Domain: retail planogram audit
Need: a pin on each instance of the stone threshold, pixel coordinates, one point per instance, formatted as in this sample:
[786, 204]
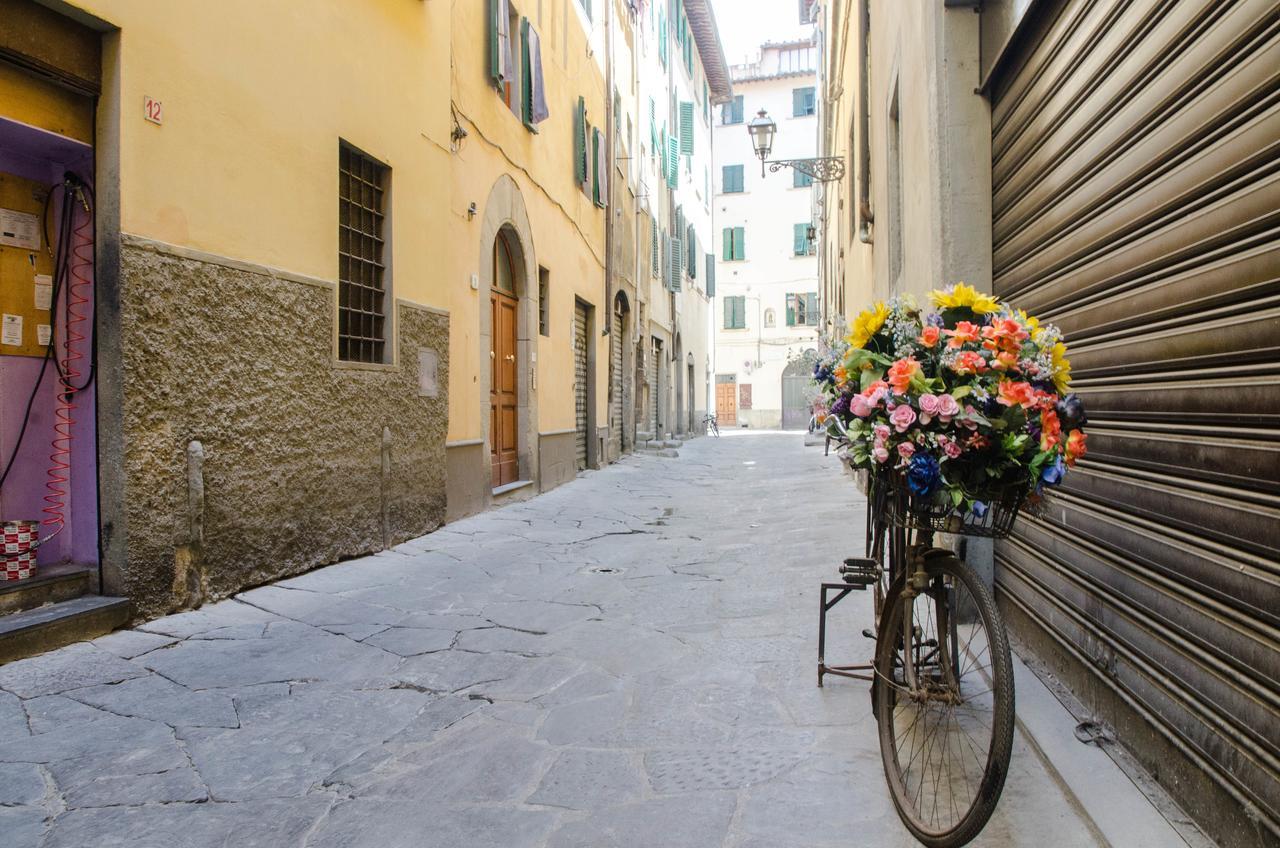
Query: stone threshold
[511, 487]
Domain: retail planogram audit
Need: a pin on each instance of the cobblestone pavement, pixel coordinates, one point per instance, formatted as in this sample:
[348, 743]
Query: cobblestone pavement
[626, 661]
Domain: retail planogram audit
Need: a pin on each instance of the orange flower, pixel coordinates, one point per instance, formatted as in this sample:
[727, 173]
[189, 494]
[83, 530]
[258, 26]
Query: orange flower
[1050, 429]
[877, 386]
[969, 362]
[1075, 446]
[1016, 394]
[929, 336]
[1005, 361]
[842, 376]
[1004, 334]
[964, 332]
[901, 373]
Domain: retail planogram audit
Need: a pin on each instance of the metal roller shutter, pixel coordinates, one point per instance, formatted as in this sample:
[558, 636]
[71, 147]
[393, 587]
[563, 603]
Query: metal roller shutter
[615, 379]
[580, 385]
[1136, 204]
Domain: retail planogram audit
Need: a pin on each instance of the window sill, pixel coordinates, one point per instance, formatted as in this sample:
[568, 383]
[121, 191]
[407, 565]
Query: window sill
[345, 365]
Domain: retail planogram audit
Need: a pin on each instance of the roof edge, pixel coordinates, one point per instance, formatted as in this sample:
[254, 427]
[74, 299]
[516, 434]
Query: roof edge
[702, 20]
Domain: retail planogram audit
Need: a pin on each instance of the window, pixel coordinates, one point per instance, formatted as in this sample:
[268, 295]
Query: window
[799, 179]
[515, 63]
[731, 182]
[735, 240]
[802, 310]
[362, 272]
[731, 112]
[586, 7]
[770, 318]
[735, 312]
[803, 102]
[544, 301]
[801, 246]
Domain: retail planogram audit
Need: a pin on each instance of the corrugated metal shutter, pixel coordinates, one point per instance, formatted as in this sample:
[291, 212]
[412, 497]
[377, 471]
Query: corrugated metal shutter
[615, 378]
[655, 357]
[580, 384]
[1136, 204]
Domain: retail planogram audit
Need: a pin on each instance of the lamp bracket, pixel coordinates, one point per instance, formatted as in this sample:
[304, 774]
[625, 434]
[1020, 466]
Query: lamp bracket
[824, 169]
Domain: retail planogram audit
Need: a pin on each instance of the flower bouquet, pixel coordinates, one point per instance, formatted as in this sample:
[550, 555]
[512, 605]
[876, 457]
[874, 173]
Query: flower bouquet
[964, 407]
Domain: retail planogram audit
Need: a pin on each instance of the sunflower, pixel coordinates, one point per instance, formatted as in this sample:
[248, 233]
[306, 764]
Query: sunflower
[1061, 368]
[961, 296]
[867, 324]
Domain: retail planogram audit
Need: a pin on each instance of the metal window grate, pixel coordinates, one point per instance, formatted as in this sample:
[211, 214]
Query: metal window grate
[361, 272]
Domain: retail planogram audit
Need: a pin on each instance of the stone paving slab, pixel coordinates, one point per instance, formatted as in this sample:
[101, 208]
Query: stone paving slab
[628, 660]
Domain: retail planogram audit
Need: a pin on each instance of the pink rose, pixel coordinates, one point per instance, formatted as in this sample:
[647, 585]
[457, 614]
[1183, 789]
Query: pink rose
[859, 406]
[881, 454]
[952, 449]
[903, 417]
[948, 408]
[906, 449]
[929, 405]
[882, 432]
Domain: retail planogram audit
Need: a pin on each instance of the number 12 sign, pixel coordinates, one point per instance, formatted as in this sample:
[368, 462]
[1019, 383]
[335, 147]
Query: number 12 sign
[152, 110]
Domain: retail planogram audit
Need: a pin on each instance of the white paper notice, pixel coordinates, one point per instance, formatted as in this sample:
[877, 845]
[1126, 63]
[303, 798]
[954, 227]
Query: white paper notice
[44, 291]
[43, 333]
[19, 229]
[11, 332]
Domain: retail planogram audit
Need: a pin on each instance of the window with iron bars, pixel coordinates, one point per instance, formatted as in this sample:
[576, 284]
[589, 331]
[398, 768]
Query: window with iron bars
[362, 271]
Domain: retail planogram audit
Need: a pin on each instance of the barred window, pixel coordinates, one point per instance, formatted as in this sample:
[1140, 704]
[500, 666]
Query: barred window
[362, 293]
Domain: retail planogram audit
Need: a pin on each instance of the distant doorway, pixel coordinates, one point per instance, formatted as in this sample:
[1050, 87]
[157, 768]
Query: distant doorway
[726, 400]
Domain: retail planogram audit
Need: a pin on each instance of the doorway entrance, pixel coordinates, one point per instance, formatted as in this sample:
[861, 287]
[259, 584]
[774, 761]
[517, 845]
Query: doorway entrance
[727, 400]
[580, 376]
[503, 390]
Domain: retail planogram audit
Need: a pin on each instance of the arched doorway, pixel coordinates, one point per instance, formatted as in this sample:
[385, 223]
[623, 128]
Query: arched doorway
[504, 399]
[796, 378]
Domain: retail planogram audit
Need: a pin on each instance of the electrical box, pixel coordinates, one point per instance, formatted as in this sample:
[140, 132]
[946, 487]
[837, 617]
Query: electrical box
[26, 268]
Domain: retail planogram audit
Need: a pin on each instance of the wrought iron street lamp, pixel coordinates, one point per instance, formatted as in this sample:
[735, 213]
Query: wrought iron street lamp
[824, 169]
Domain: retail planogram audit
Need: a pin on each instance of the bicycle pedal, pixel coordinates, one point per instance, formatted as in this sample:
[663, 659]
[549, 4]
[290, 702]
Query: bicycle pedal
[862, 564]
[856, 581]
[866, 631]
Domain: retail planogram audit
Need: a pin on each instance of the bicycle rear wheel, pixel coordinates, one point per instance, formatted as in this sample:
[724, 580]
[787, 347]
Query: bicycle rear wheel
[944, 703]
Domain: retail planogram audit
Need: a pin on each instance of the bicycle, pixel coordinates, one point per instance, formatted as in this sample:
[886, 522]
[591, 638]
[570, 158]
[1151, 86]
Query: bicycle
[710, 425]
[942, 676]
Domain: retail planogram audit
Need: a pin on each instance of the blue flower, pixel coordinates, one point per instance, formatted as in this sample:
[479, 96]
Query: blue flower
[1071, 413]
[979, 509]
[923, 475]
[1052, 475]
[933, 319]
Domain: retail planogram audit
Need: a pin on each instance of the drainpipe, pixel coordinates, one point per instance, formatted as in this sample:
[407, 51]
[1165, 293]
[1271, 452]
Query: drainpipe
[610, 159]
[866, 217]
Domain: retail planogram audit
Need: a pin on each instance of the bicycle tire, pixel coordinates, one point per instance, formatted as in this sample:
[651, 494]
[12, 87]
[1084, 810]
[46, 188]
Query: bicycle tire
[986, 793]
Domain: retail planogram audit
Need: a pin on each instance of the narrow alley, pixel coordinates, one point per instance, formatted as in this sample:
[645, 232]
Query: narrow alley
[628, 660]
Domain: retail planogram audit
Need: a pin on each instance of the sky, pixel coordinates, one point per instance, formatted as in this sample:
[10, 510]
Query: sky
[746, 24]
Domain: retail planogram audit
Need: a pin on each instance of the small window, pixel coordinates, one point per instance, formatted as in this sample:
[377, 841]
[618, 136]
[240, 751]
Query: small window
[770, 317]
[544, 301]
[362, 267]
[800, 237]
[802, 310]
[731, 112]
[732, 179]
[799, 179]
[803, 102]
[735, 241]
[735, 312]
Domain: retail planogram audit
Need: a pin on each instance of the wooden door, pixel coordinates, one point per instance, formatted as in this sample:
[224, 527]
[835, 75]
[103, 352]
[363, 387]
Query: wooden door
[726, 403]
[502, 394]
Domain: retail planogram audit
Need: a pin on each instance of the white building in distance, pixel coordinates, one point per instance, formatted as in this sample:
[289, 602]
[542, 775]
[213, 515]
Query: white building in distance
[766, 305]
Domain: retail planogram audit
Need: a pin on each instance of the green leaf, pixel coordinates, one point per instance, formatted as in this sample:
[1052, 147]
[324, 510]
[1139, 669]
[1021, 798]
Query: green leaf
[962, 392]
[870, 376]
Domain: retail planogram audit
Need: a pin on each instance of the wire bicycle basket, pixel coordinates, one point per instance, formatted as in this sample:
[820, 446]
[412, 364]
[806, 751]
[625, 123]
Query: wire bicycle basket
[891, 498]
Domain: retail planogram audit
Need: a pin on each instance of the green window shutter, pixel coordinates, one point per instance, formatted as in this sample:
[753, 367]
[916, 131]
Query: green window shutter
[740, 312]
[673, 162]
[654, 247]
[797, 102]
[728, 313]
[526, 76]
[728, 244]
[732, 179]
[495, 57]
[711, 275]
[662, 38]
[811, 308]
[597, 194]
[791, 310]
[691, 251]
[739, 242]
[800, 237]
[677, 264]
[653, 125]
[580, 142]
[686, 128]
[586, 7]
[799, 179]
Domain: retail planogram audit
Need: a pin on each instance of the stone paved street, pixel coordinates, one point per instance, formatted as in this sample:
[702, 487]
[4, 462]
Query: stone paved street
[625, 661]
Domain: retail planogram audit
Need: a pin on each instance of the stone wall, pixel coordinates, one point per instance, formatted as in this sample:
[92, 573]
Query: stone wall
[305, 461]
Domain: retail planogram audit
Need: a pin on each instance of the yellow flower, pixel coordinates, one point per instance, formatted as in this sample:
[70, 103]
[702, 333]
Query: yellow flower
[963, 296]
[1061, 368]
[867, 324]
[1031, 322]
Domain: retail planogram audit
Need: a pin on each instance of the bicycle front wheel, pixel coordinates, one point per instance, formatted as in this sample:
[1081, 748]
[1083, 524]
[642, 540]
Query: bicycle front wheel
[944, 703]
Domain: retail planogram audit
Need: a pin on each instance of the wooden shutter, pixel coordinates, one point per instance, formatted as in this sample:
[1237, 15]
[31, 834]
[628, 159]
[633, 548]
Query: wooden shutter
[728, 313]
[691, 251]
[800, 238]
[739, 242]
[711, 275]
[493, 9]
[673, 162]
[580, 142]
[1136, 205]
[791, 310]
[686, 128]
[654, 247]
[727, 252]
[526, 76]
[666, 260]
